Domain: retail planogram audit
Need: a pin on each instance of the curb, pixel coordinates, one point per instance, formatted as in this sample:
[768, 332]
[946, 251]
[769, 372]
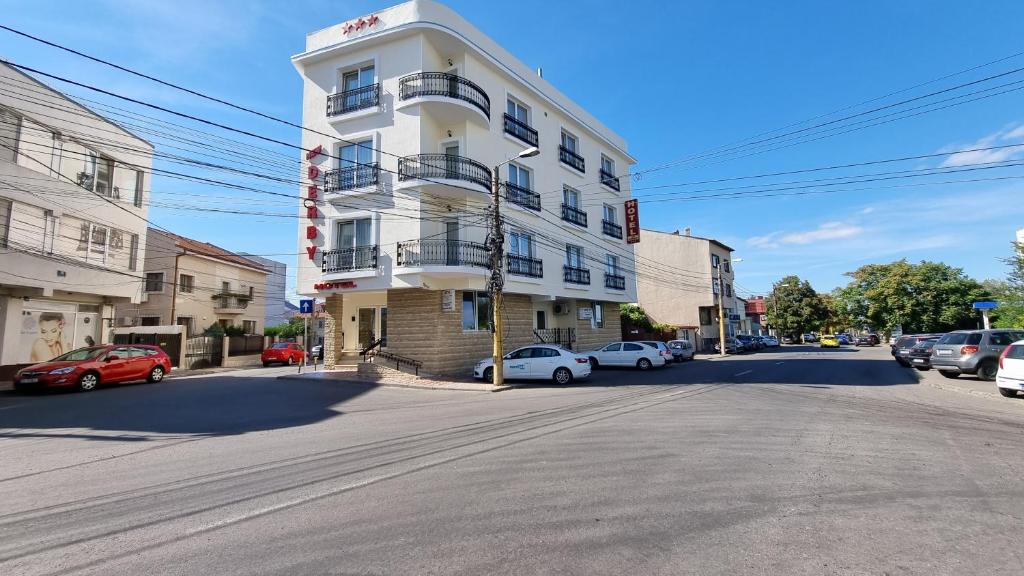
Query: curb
[395, 385]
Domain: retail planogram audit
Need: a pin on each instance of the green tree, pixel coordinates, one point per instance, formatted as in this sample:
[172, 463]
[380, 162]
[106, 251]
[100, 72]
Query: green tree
[794, 307]
[838, 313]
[293, 328]
[634, 316]
[1010, 313]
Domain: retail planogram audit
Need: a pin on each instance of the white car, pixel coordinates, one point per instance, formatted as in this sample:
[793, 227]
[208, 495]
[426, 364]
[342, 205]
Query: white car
[626, 354]
[1010, 377]
[538, 362]
[770, 341]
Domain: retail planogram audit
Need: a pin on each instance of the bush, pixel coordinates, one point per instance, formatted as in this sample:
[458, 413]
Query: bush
[634, 316]
[234, 331]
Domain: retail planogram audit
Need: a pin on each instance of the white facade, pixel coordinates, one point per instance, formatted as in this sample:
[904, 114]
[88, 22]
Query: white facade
[72, 220]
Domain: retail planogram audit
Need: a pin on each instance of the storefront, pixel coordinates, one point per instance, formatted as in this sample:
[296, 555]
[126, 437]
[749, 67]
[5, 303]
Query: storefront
[37, 329]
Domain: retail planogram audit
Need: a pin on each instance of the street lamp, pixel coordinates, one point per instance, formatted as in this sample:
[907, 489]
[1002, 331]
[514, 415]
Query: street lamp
[496, 282]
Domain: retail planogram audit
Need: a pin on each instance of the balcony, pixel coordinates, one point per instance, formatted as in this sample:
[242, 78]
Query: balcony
[521, 130]
[445, 86]
[419, 253]
[525, 266]
[573, 275]
[444, 167]
[520, 196]
[609, 180]
[574, 215]
[614, 281]
[230, 303]
[350, 259]
[351, 177]
[571, 158]
[352, 100]
[611, 229]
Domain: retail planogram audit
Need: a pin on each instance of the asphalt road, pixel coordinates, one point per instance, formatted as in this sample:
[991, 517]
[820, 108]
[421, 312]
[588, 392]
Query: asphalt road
[794, 461]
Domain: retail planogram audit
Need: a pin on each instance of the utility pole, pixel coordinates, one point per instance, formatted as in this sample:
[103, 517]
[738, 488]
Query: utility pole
[721, 312]
[496, 281]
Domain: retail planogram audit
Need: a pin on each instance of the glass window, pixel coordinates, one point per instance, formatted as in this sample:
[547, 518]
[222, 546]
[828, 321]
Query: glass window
[518, 111]
[610, 214]
[974, 339]
[80, 354]
[483, 311]
[154, 282]
[1000, 339]
[612, 264]
[354, 233]
[728, 290]
[357, 153]
[607, 165]
[133, 256]
[612, 348]
[569, 142]
[10, 124]
[249, 326]
[523, 353]
[630, 347]
[520, 244]
[5, 221]
[598, 315]
[546, 353]
[186, 284]
[571, 197]
[519, 176]
[105, 176]
[139, 178]
[468, 311]
[476, 310]
[574, 256]
[357, 78]
[714, 260]
[280, 346]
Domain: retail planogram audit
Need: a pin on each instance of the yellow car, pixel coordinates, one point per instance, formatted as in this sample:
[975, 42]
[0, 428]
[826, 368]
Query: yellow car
[829, 342]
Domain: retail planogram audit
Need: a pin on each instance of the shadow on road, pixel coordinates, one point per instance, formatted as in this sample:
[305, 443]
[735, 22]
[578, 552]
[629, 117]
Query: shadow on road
[206, 406]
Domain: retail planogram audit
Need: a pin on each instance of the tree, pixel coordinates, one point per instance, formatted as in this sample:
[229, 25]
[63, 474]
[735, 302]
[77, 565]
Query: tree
[794, 307]
[838, 313]
[634, 316]
[293, 328]
[1010, 313]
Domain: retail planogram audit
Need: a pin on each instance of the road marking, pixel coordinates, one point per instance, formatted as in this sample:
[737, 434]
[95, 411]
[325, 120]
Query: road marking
[742, 373]
[11, 406]
[777, 363]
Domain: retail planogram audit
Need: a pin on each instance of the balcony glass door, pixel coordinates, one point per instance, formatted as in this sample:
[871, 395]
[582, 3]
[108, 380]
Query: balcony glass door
[351, 236]
[451, 236]
[367, 324]
[355, 163]
[453, 83]
[451, 163]
[354, 80]
[574, 256]
[571, 197]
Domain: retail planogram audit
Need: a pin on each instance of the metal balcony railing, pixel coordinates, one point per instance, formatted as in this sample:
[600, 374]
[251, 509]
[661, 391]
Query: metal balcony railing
[351, 177]
[444, 84]
[443, 253]
[521, 130]
[614, 281]
[571, 158]
[574, 215]
[574, 275]
[609, 180]
[352, 100]
[433, 166]
[611, 229]
[522, 196]
[350, 259]
[525, 266]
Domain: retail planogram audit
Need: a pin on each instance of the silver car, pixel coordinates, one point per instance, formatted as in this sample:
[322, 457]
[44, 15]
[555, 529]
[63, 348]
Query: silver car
[972, 352]
[681, 350]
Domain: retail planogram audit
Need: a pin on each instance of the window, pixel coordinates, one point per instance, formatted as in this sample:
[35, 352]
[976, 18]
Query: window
[5, 221]
[186, 284]
[133, 255]
[524, 353]
[87, 177]
[357, 78]
[10, 124]
[612, 348]
[728, 290]
[519, 176]
[714, 260]
[598, 315]
[571, 197]
[705, 316]
[518, 111]
[353, 233]
[520, 244]
[610, 214]
[570, 143]
[574, 256]
[186, 321]
[725, 267]
[98, 239]
[476, 311]
[607, 166]
[116, 240]
[630, 347]
[105, 177]
[49, 230]
[139, 178]
[249, 326]
[149, 321]
[542, 321]
[714, 286]
[356, 164]
[612, 264]
[154, 282]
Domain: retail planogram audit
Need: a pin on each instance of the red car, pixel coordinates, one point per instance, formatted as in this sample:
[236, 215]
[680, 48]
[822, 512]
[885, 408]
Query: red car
[283, 352]
[87, 368]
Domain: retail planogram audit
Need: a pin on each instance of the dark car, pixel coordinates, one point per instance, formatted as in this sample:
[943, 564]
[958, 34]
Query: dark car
[865, 341]
[901, 349]
[87, 368]
[920, 355]
[749, 344]
[972, 352]
[788, 340]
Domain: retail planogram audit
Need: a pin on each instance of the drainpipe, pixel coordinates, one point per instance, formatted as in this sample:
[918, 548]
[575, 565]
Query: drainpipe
[174, 291]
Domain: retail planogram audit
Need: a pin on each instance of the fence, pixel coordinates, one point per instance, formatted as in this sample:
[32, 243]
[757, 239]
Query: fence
[169, 342]
[564, 337]
[204, 352]
[244, 345]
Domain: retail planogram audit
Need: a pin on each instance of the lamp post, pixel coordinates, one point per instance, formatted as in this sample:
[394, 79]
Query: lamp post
[496, 282]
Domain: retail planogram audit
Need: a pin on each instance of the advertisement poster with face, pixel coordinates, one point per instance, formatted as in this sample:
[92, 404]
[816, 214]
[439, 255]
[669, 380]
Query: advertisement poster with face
[49, 329]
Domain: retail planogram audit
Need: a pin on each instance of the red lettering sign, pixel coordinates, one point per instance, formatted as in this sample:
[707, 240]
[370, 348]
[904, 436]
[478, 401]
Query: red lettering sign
[313, 172]
[632, 221]
[315, 152]
[333, 285]
[311, 212]
[310, 232]
[313, 192]
[311, 251]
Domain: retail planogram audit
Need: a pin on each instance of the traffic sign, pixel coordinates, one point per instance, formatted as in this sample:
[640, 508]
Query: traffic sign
[305, 306]
[985, 305]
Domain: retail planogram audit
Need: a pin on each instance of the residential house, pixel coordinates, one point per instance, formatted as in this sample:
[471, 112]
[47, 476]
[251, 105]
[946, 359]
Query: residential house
[278, 310]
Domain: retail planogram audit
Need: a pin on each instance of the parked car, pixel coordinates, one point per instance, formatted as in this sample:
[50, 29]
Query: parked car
[901, 349]
[681, 350]
[972, 352]
[749, 344]
[87, 368]
[1010, 377]
[874, 338]
[788, 340]
[829, 341]
[626, 354]
[844, 339]
[732, 346]
[809, 338]
[770, 341]
[537, 362]
[893, 339]
[283, 353]
[865, 341]
[662, 349]
[920, 355]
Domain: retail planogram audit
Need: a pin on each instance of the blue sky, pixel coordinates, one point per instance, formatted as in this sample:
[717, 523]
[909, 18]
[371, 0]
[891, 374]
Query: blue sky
[675, 79]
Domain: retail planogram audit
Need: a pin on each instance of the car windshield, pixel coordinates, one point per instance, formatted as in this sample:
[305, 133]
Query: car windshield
[80, 354]
[925, 345]
[280, 346]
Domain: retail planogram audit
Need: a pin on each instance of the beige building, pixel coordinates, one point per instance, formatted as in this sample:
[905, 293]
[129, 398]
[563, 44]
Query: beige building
[196, 284]
[690, 303]
[73, 197]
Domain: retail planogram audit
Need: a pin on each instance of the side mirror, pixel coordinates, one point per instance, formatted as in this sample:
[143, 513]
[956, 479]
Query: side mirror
[112, 357]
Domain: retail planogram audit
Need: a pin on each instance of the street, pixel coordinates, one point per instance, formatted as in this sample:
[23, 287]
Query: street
[789, 461]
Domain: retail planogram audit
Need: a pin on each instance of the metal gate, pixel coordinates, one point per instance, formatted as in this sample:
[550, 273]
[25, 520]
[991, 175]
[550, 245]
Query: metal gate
[169, 343]
[204, 352]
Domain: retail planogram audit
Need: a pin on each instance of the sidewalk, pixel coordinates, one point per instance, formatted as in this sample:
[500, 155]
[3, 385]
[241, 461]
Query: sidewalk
[963, 384]
[399, 380]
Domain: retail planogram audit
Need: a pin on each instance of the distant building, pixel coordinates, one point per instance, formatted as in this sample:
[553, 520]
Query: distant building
[756, 311]
[278, 309]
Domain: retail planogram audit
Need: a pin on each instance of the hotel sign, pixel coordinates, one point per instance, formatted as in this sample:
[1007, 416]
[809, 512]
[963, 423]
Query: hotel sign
[632, 222]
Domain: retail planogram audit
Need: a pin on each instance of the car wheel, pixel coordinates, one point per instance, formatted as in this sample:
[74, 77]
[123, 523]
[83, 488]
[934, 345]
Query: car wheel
[489, 375]
[266, 364]
[1007, 393]
[156, 374]
[949, 374]
[562, 376]
[593, 363]
[922, 368]
[987, 370]
[88, 381]
[291, 360]
[644, 364]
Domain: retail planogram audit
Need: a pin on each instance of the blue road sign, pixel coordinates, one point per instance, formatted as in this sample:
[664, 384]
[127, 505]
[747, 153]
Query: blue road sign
[985, 305]
[305, 306]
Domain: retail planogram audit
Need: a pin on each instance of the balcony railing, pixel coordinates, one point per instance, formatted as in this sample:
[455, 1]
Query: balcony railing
[431, 166]
[443, 253]
[521, 130]
[609, 180]
[564, 337]
[225, 303]
[444, 84]
[524, 197]
[351, 177]
[574, 275]
[352, 100]
[525, 266]
[611, 229]
[350, 259]
[614, 281]
[574, 215]
[571, 158]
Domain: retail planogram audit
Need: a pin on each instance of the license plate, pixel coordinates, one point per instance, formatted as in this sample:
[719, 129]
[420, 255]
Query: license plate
[918, 361]
[29, 380]
[944, 352]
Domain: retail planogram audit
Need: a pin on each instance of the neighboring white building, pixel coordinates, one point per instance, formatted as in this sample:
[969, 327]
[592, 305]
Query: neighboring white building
[278, 309]
[419, 106]
[72, 221]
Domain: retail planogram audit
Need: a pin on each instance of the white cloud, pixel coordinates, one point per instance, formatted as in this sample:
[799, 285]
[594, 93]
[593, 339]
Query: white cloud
[827, 231]
[867, 210]
[1003, 137]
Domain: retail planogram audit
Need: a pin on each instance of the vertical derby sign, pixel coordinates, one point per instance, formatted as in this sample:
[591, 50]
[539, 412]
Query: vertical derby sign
[309, 202]
[632, 222]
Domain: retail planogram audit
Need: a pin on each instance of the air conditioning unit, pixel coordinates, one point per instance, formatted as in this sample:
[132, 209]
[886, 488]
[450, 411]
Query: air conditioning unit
[561, 309]
[126, 321]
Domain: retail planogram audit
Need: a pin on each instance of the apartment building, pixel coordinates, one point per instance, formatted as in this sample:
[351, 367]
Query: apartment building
[72, 221]
[278, 310]
[421, 107]
[704, 274]
[196, 284]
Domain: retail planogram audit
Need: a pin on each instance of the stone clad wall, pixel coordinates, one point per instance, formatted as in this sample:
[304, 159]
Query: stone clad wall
[333, 344]
[588, 338]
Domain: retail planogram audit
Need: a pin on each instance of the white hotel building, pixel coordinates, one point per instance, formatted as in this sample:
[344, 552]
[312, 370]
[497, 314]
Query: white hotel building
[413, 107]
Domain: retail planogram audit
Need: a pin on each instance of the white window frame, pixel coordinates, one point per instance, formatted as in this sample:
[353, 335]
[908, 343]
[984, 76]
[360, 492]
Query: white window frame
[610, 210]
[576, 141]
[16, 134]
[50, 227]
[5, 221]
[336, 236]
[611, 263]
[191, 284]
[606, 161]
[355, 215]
[519, 238]
[568, 191]
[510, 99]
[519, 169]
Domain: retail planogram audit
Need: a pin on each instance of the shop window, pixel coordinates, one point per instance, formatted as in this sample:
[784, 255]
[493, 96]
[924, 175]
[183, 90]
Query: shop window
[476, 311]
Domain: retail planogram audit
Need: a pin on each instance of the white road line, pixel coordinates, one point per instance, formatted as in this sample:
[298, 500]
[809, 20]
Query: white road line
[742, 373]
[777, 363]
[11, 406]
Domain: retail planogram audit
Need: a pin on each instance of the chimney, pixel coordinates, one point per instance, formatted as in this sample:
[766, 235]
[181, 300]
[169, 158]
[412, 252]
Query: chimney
[540, 71]
[675, 232]
[686, 230]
